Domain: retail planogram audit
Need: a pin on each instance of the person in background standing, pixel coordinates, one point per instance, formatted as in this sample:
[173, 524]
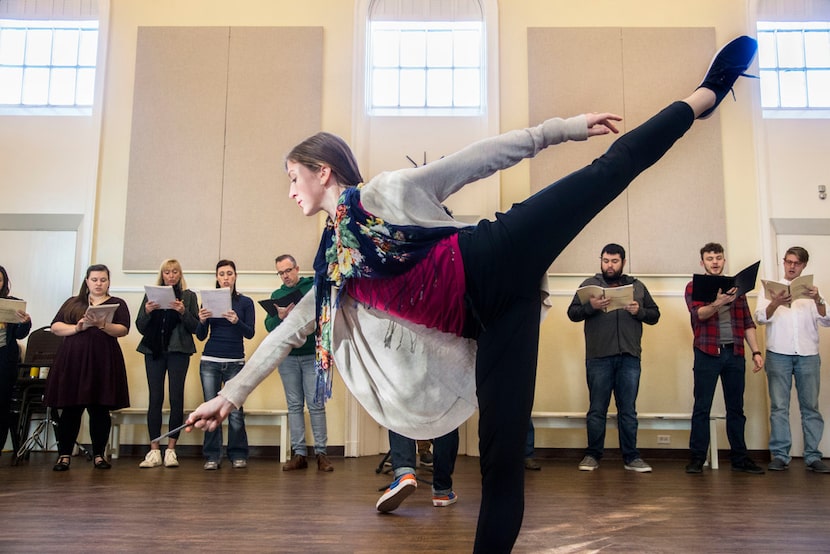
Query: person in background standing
[10, 333]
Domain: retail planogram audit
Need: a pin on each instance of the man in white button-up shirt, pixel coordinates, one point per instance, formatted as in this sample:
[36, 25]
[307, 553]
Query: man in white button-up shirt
[792, 321]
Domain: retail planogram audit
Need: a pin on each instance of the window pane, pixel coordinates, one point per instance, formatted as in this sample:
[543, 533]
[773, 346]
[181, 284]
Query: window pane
[818, 89]
[385, 48]
[35, 86]
[790, 49]
[38, 47]
[766, 50]
[62, 87]
[439, 49]
[413, 49]
[11, 83]
[12, 46]
[439, 87]
[413, 88]
[769, 89]
[793, 94]
[467, 92]
[467, 48]
[817, 48]
[65, 47]
[85, 87]
[385, 87]
[88, 48]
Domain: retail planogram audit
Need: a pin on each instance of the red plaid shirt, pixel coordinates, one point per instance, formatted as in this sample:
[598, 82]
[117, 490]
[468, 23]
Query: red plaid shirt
[707, 332]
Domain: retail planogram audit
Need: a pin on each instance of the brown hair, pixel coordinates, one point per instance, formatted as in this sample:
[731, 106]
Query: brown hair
[326, 149]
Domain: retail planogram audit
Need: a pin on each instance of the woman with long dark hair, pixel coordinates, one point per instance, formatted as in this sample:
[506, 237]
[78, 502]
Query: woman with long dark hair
[10, 333]
[167, 345]
[222, 358]
[88, 372]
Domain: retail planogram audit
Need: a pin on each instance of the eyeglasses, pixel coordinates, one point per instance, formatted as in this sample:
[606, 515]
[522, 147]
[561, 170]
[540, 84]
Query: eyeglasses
[792, 262]
[286, 271]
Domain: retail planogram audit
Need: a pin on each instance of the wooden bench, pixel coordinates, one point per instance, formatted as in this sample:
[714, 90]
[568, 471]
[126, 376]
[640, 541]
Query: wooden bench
[138, 416]
[665, 422]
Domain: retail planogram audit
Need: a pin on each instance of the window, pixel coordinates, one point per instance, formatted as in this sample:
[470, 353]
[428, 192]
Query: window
[48, 64]
[794, 63]
[425, 68]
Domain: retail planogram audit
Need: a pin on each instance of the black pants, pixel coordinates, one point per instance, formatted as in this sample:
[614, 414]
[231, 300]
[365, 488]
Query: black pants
[70, 424]
[174, 365]
[8, 379]
[505, 260]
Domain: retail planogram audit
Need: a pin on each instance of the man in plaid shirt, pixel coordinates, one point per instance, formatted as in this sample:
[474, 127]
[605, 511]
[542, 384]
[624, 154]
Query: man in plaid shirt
[720, 329]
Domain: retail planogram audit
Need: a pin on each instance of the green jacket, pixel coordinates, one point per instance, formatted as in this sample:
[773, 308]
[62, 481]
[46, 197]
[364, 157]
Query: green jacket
[272, 321]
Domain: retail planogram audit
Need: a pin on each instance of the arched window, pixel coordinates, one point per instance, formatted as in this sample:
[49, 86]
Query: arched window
[425, 58]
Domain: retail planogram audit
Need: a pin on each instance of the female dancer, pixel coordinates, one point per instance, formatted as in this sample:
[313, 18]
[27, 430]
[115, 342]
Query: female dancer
[408, 301]
[10, 333]
[167, 345]
[88, 372]
[222, 358]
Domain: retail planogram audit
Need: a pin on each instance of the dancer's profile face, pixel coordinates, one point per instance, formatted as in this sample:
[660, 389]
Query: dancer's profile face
[307, 187]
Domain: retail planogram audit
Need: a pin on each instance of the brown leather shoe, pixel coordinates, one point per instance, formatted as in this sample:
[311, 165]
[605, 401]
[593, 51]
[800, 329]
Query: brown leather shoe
[298, 461]
[323, 463]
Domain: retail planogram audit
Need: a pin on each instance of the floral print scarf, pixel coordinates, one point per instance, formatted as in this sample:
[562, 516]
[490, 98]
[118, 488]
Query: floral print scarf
[359, 245]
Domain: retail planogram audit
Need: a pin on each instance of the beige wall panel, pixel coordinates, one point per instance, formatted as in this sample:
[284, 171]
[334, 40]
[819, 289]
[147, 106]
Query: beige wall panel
[175, 177]
[635, 73]
[570, 72]
[274, 102]
[677, 205]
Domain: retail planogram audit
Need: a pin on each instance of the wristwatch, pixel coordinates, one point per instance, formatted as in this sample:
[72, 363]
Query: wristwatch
[821, 301]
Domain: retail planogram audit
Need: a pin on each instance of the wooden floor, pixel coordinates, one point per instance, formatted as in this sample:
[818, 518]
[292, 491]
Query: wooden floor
[263, 509]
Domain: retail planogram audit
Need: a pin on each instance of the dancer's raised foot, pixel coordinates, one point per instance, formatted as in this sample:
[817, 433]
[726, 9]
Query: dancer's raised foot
[728, 64]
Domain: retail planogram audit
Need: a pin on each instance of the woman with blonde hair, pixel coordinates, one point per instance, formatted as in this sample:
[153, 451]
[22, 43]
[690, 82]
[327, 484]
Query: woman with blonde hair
[167, 345]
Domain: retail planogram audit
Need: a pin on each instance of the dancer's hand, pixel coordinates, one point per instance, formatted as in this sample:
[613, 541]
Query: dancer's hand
[601, 123]
[210, 414]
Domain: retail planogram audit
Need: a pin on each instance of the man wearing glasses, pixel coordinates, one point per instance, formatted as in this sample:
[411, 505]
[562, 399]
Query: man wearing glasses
[299, 378]
[792, 318]
[612, 355]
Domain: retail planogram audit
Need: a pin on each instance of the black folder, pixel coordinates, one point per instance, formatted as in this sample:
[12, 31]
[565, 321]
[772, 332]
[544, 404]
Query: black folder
[705, 287]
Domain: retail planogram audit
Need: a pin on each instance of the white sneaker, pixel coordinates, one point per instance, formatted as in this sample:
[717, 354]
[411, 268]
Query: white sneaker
[170, 458]
[211, 465]
[152, 459]
[240, 463]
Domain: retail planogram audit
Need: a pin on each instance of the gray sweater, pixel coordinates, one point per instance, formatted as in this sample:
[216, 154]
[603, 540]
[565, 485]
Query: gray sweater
[416, 381]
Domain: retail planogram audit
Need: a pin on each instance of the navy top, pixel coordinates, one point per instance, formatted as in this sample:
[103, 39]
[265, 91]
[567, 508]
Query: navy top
[225, 337]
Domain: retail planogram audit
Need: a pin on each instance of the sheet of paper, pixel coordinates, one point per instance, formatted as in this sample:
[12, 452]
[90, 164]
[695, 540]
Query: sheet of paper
[8, 310]
[161, 295]
[216, 301]
[103, 312]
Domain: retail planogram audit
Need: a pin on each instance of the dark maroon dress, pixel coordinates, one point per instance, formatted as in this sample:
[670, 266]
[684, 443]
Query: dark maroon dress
[89, 367]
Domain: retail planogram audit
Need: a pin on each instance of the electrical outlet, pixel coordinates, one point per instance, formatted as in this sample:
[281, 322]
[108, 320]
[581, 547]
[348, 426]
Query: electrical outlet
[663, 439]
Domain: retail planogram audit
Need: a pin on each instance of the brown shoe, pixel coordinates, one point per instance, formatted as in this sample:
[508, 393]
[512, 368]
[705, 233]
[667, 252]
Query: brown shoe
[323, 463]
[296, 462]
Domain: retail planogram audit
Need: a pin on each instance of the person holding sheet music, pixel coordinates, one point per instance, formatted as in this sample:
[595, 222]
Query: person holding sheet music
[793, 353]
[167, 345]
[222, 358]
[299, 378]
[612, 357]
[10, 332]
[88, 372]
[720, 328]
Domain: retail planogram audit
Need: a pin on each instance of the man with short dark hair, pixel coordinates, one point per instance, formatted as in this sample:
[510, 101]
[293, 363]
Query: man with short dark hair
[792, 352]
[612, 357]
[720, 328]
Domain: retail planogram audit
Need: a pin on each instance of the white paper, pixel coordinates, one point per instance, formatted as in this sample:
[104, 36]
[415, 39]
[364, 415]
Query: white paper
[163, 296]
[8, 310]
[216, 301]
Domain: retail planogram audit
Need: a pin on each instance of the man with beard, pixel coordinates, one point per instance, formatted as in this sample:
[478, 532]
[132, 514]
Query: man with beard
[612, 356]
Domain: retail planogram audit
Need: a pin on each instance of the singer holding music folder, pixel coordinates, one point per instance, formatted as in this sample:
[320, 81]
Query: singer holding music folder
[720, 328]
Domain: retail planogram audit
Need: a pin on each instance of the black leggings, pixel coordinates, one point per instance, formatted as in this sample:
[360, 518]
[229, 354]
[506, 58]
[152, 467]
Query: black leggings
[505, 260]
[69, 425]
[174, 365]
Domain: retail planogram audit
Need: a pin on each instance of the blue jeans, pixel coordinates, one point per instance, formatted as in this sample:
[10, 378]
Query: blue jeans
[732, 372]
[299, 379]
[530, 445]
[620, 374]
[781, 369]
[444, 452]
[214, 375]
